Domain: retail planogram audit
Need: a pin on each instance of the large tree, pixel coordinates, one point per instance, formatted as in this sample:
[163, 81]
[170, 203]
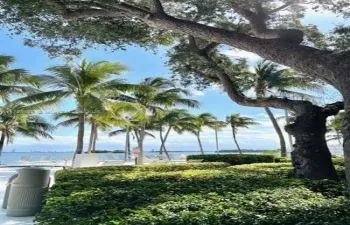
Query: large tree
[271, 29]
[197, 59]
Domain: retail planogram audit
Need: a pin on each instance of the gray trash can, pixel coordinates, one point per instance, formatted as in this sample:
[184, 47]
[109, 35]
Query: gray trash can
[26, 191]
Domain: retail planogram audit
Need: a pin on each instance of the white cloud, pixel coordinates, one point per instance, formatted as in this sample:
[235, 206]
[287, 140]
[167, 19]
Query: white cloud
[195, 92]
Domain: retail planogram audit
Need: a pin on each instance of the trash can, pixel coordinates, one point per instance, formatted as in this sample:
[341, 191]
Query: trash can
[26, 191]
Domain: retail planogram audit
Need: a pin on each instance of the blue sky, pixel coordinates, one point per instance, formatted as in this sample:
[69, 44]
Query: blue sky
[146, 64]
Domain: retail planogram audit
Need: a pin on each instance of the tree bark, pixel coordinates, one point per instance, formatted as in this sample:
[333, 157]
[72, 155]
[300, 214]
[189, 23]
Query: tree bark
[235, 140]
[346, 137]
[2, 143]
[278, 131]
[200, 144]
[289, 136]
[311, 157]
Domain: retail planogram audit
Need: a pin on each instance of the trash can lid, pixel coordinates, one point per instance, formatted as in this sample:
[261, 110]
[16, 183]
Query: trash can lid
[33, 168]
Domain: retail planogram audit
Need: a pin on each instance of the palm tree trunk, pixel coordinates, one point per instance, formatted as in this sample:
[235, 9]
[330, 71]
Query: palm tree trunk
[235, 140]
[278, 131]
[95, 139]
[140, 144]
[92, 134]
[126, 154]
[163, 140]
[81, 127]
[289, 136]
[80, 138]
[217, 141]
[338, 137]
[2, 143]
[200, 144]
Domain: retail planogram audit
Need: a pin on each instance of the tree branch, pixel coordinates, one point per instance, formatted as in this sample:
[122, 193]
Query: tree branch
[282, 7]
[305, 59]
[237, 96]
[156, 7]
[258, 20]
[333, 109]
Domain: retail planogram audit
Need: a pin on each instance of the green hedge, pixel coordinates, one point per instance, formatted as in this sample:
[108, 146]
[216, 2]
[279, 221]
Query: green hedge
[339, 161]
[193, 194]
[233, 159]
[282, 160]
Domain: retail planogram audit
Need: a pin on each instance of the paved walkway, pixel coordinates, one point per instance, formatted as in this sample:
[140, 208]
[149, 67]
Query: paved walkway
[5, 174]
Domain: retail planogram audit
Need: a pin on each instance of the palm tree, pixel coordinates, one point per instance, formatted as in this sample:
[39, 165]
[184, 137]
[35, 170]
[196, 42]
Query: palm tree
[269, 79]
[175, 119]
[155, 94]
[15, 81]
[199, 122]
[112, 115]
[89, 83]
[335, 125]
[237, 121]
[20, 119]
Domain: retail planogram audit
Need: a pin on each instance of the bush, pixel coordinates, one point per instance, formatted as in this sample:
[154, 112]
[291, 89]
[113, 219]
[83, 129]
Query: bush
[193, 194]
[233, 159]
[339, 161]
[282, 160]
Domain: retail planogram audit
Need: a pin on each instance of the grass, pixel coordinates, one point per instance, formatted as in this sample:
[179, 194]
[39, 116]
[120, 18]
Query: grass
[194, 194]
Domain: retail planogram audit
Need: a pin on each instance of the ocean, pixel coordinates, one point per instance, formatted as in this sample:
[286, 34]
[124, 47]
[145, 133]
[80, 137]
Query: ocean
[13, 157]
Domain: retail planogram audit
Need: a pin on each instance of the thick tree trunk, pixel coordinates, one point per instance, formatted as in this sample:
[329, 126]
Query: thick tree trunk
[200, 144]
[278, 131]
[311, 157]
[2, 143]
[236, 142]
[289, 136]
[346, 137]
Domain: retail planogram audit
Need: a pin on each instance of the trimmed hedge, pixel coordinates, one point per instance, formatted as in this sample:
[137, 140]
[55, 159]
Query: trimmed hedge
[233, 159]
[193, 194]
[282, 160]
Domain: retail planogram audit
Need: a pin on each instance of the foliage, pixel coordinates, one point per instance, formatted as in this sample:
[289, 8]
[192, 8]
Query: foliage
[282, 160]
[197, 194]
[21, 119]
[237, 121]
[338, 161]
[335, 125]
[233, 159]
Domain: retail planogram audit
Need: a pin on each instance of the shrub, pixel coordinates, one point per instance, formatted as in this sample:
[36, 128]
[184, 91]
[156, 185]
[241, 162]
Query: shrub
[193, 194]
[282, 160]
[339, 161]
[233, 159]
